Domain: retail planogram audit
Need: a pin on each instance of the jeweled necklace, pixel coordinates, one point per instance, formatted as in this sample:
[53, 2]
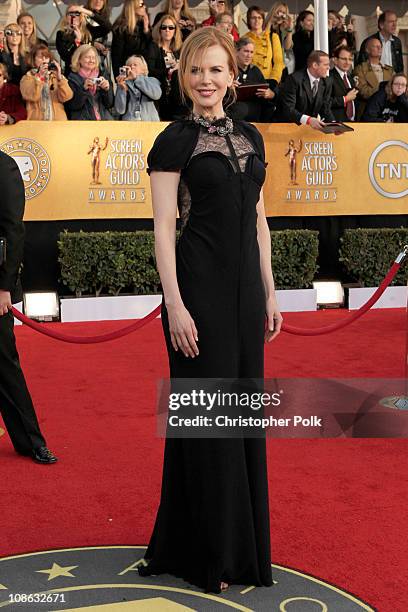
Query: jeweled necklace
[222, 126]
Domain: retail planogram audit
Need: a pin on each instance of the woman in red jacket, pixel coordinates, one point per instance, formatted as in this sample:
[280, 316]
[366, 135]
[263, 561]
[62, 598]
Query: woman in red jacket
[12, 108]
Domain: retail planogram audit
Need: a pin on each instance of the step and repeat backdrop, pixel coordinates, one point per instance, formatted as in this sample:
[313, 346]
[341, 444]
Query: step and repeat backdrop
[97, 170]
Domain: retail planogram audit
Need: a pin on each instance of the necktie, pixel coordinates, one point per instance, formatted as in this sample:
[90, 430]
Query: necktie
[350, 104]
[315, 87]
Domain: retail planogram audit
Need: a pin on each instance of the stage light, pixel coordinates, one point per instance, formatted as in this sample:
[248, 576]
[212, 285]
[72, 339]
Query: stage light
[330, 294]
[41, 305]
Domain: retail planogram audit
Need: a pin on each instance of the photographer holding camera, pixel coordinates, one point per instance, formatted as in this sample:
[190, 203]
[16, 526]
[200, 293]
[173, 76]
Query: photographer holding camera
[80, 26]
[44, 87]
[137, 91]
[93, 92]
[16, 405]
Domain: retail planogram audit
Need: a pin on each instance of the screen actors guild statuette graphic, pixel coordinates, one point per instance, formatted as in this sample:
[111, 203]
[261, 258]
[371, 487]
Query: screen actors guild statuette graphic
[291, 153]
[95, 152]
[33, 162]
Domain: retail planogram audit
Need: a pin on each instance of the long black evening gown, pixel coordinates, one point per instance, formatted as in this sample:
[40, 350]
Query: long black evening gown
[212, 524]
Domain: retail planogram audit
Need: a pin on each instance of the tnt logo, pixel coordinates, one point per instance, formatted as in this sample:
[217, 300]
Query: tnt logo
[388, 169]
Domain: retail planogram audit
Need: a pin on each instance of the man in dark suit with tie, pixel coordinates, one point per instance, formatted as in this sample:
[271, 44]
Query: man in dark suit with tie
[16, 405]
[343, 92]
[305, 96]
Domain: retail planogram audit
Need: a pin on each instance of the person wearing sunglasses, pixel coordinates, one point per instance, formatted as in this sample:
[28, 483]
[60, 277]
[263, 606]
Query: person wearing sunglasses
[80, 26]
[162, 59]
[14, 52]
[131, 33]
[217, 8]
[180, 10]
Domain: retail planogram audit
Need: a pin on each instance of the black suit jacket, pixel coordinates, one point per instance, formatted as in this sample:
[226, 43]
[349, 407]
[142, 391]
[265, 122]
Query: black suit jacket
[295, 99]
[396, 51]
[339, 90]
[11, 224]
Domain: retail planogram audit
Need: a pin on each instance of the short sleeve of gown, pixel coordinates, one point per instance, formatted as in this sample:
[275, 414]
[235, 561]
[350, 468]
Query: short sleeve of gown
[255, 137]
[172, 148]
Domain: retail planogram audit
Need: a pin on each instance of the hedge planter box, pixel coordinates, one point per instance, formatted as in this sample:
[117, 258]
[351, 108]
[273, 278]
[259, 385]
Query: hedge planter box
[297, 300]
[121, 307]
[393, 297]
[108, 308]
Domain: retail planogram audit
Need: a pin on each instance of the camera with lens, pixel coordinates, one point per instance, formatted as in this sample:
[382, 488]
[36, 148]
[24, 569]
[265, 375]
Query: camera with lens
[52, 66]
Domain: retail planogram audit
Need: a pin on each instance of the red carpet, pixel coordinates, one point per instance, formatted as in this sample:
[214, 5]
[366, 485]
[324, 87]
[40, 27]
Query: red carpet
[338, 507]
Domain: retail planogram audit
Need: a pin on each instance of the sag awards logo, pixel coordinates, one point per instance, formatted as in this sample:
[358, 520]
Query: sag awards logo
[388, 169]
[33, 162]
[115, 170]
[107, 578]
[312, 168]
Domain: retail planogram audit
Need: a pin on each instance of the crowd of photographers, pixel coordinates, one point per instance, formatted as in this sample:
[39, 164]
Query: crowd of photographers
[128, 70]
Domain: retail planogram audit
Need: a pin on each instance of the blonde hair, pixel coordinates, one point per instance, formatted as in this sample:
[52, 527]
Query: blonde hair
[127, 20]
[185, 10]
[270, 18]
[195, 45]
[32, 39]
[22, 49]
[176, 41]
[142, 59]
[79, 53]
[65, 26]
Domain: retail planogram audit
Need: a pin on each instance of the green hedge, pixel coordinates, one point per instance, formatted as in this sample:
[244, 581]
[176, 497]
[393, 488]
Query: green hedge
[294, 258]
[368, 254]
[108, 262]
[92, 263]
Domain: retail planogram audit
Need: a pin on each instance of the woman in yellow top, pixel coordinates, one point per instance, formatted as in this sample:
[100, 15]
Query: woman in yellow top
[268, 55]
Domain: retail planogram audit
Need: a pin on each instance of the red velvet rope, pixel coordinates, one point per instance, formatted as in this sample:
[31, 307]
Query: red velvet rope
[119, 333]
[327, 329]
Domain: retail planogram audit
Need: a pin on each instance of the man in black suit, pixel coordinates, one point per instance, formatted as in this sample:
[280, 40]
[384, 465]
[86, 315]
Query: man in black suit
[305, 96]
[343, 92]
[16, 405]
[391, 44]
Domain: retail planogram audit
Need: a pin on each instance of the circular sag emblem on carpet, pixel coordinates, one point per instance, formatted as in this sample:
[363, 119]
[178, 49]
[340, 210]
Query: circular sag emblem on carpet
[105, 579]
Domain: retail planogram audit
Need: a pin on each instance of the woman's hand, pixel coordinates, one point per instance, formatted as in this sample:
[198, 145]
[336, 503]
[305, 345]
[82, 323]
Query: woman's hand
[88, 84]
[3, 118]
[273, 319]
[77, 33]
[183, 331]
[146, 24]
[5, 302]
[104, 84]
[100, 48]
[121, 81]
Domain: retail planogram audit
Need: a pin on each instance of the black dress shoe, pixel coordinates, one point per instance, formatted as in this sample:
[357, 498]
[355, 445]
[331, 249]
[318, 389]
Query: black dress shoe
[43, 455]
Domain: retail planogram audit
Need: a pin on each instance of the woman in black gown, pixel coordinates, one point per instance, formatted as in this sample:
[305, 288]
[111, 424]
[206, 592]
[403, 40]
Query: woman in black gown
[212, 525]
